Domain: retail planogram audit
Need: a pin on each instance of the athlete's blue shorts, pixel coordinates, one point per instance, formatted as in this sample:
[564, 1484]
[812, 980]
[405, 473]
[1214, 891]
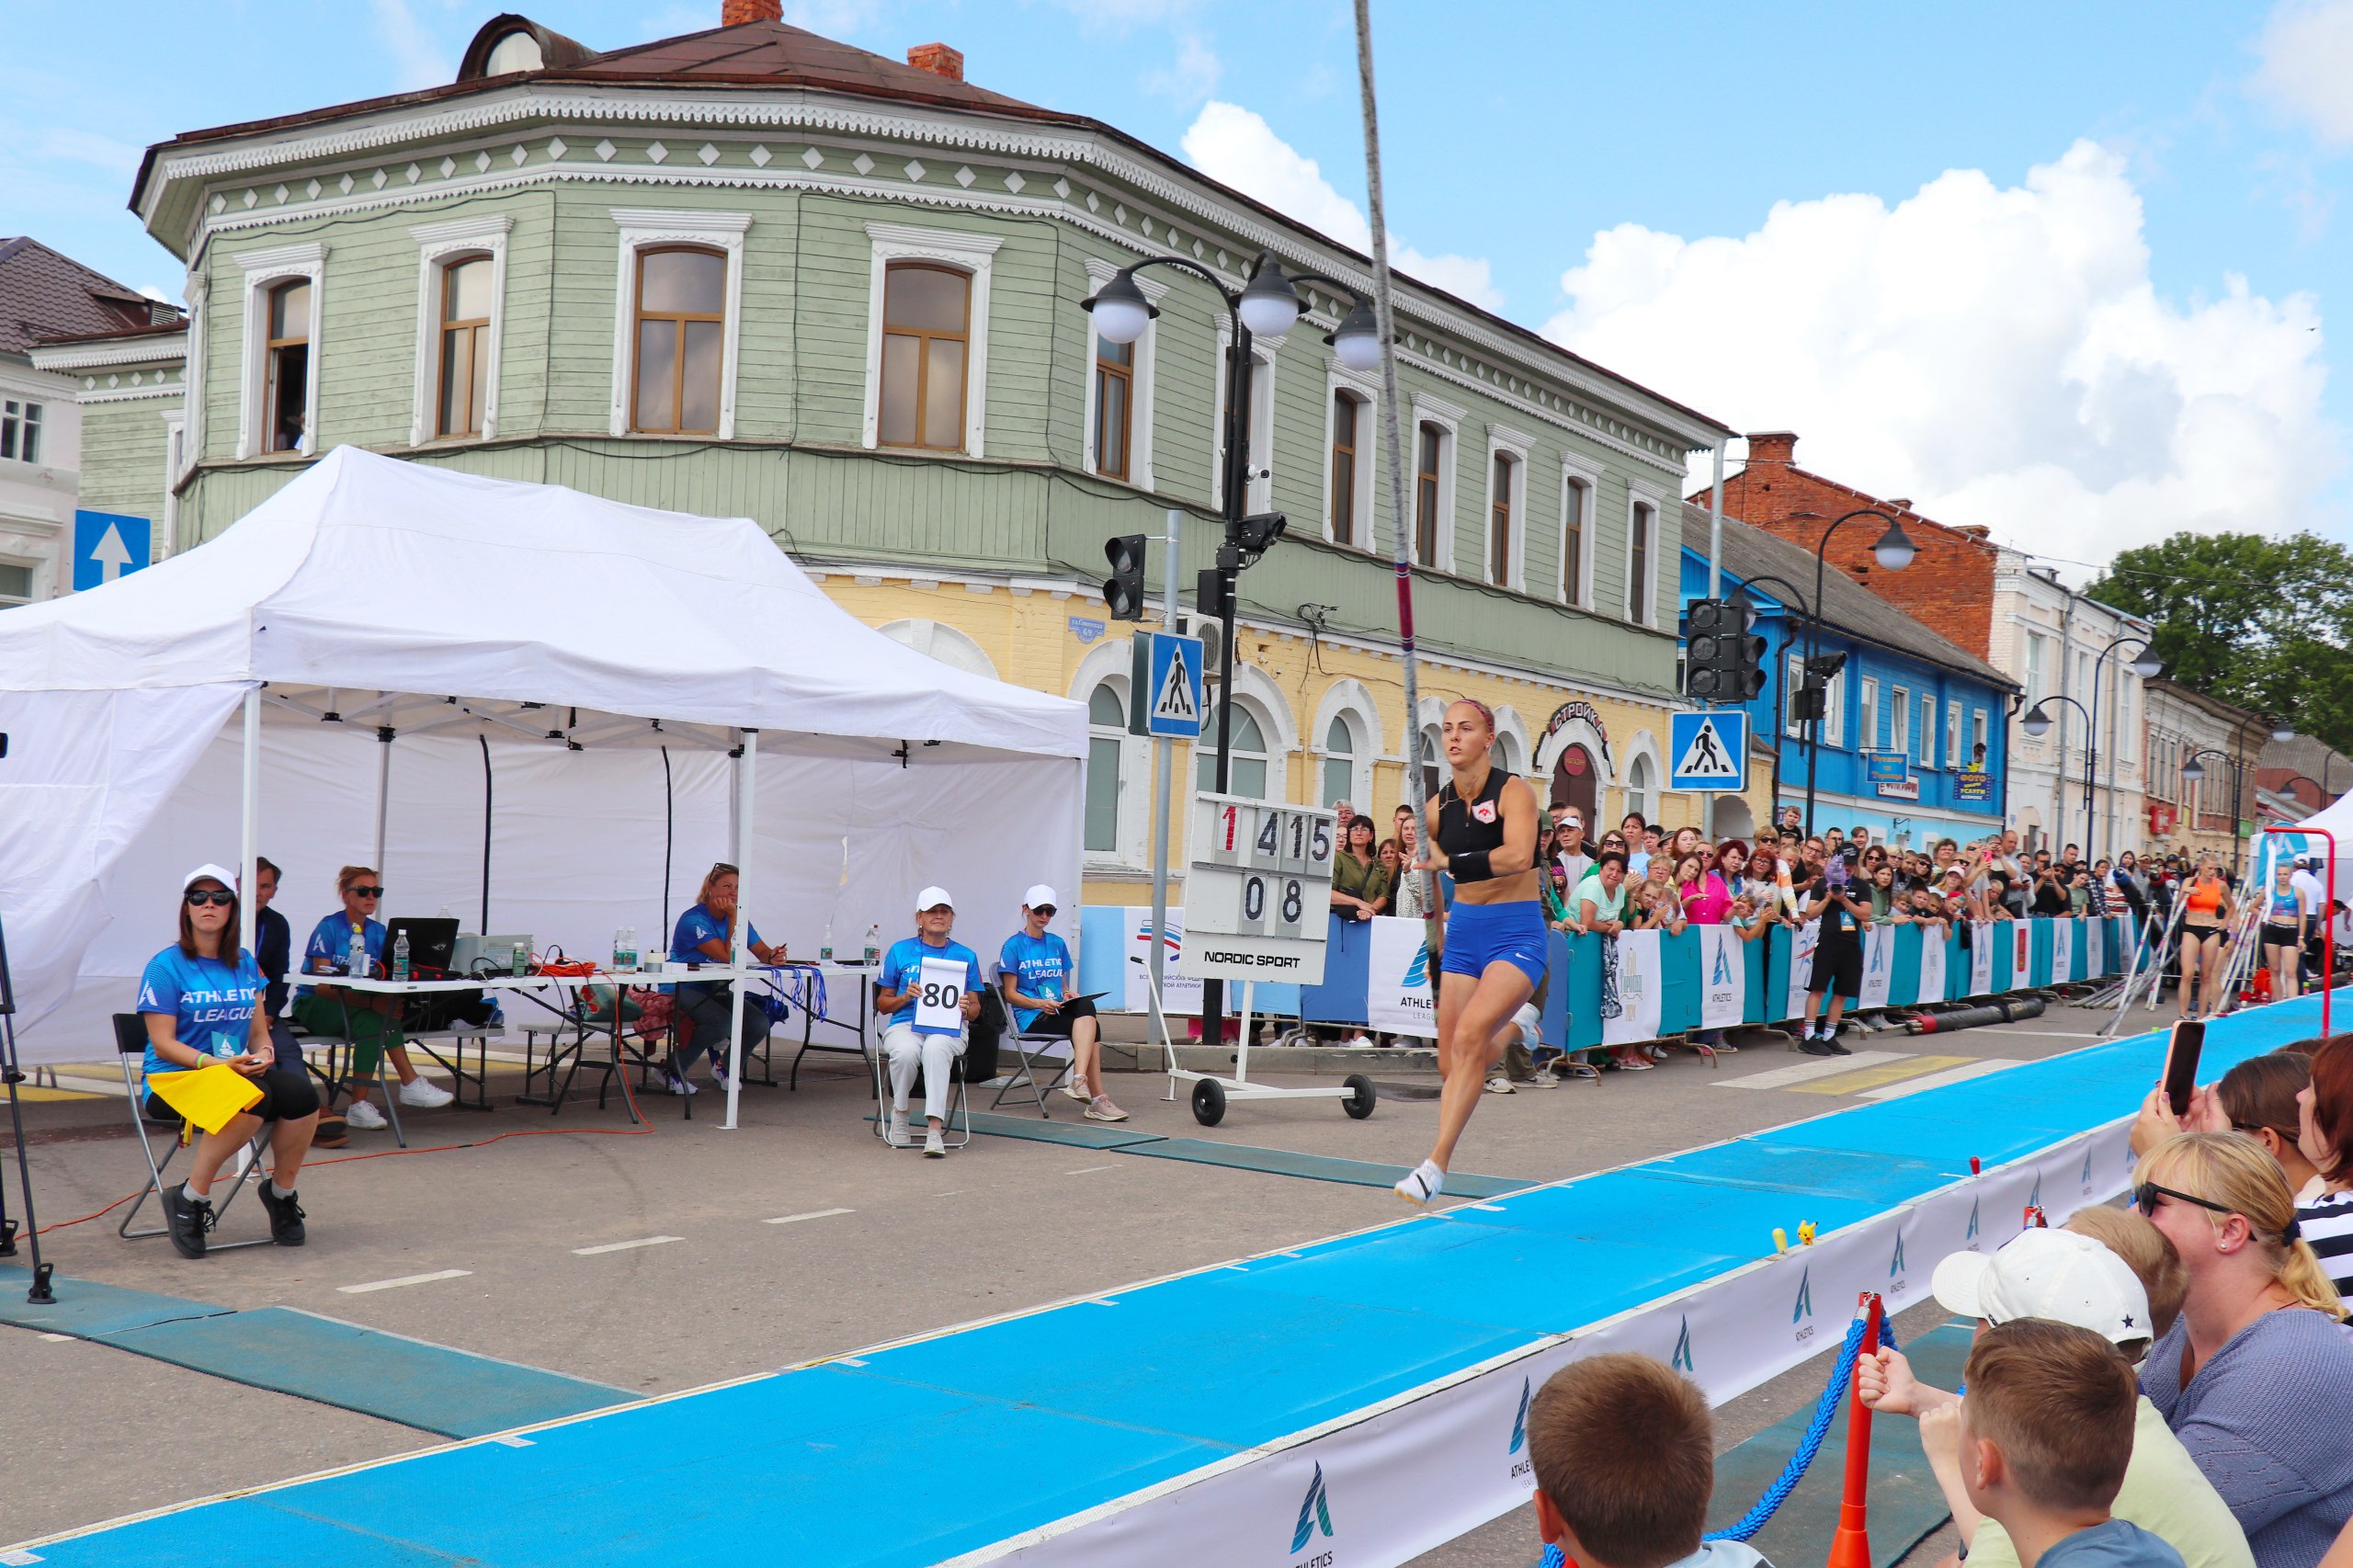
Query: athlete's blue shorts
[1480, 934]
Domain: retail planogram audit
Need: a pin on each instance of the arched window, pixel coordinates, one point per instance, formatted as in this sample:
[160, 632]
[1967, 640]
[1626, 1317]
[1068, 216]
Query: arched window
[1107, 729]
[1640, 792]
[1505, 754]
[1340, 764]
[1433, 762]
[681, 327]
[1248, 774]
[465, 346]
[927, 324]
[286, 367]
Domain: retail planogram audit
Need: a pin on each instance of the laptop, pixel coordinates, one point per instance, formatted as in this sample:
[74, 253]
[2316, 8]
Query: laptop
[432, 940]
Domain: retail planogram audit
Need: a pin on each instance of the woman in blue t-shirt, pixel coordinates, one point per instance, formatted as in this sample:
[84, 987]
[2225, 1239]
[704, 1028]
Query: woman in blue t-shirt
[370, 1020]
[201, 999]
[1037, 974]
[706, 934]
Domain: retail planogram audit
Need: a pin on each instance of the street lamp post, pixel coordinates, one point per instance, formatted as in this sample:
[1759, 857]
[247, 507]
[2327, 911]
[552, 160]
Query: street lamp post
[1748, 620]
[1893, 550]
[2194, 771]
[2148, 667]
[1268, 306]
[2036, 724]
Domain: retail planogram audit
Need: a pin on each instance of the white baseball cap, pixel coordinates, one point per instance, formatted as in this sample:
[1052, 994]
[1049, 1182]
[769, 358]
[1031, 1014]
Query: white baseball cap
[2047, 1273]
[932, 898]
[222, 874]
[1039, 897]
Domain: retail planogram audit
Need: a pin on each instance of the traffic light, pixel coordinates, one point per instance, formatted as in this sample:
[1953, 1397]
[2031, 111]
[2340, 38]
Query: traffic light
[1724, 662]
[1811, 701]
[1123, 589]
[1208, 595]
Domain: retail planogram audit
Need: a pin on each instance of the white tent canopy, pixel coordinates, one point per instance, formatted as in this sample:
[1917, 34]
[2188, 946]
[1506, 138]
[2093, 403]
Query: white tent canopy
[595, 659]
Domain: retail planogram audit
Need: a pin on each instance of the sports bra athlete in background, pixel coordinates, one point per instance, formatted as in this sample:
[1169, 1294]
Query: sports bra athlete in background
[1483, 834]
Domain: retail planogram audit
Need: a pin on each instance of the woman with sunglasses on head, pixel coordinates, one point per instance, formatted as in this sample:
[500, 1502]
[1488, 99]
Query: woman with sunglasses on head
[2257, 1373]
[706, 934]
[370, 1020]
[199, 1000]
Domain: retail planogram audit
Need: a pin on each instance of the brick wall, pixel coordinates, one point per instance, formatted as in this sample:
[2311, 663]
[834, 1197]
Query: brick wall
[1950, 585]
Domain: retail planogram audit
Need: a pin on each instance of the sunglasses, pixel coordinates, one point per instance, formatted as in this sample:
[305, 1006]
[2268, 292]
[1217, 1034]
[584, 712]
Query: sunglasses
[2145, 1195]
[367, 893]
[198, 896]
[1044, 911]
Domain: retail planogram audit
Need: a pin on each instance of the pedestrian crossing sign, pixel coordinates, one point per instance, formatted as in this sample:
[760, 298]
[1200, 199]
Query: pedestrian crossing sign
[1169, 676]
[1709, 746]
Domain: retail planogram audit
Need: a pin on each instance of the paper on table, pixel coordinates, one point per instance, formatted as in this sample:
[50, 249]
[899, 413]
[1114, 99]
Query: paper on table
[209, 1097]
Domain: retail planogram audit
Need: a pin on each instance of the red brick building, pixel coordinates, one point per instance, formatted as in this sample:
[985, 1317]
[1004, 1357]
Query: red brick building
[1950, 585]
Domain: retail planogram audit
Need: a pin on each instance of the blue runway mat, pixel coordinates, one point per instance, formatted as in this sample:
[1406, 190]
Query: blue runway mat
[1004, 1427]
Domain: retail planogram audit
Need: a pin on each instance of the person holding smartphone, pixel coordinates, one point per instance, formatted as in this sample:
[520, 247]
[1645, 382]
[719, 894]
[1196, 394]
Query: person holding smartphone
[1845, 912]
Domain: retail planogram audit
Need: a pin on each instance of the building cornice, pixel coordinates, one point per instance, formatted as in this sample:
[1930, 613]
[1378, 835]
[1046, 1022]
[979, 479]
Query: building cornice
[128, 351]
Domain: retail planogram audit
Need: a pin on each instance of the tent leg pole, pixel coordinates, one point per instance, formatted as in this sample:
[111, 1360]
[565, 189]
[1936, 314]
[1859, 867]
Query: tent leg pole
[486, 804]
[249, 853]
[383, 791]
[747, 772]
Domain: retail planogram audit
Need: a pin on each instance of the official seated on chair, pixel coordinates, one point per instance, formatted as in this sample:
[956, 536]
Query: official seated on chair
[1038, 975]
[931, 991]
[705, 934]
[370, 1020]
[203, 1008]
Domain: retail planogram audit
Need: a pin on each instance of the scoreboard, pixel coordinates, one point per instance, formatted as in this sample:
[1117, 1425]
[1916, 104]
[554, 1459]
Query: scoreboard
[1257, 890]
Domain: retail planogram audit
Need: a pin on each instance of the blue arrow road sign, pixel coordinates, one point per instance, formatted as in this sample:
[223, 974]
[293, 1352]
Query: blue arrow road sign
[108, 545]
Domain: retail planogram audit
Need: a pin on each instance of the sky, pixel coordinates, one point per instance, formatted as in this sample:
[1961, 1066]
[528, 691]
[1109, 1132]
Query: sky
[2064, 271]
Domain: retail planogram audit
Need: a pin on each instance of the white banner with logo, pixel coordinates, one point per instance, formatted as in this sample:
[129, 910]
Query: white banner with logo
[1723, 977]
[1389, 1482]
[1179, 994]
[1932, 965]
[1632, 984]
[2062, 948]
[1879, 965]
[1401, 995]
[1809, 936]
[1980, 958]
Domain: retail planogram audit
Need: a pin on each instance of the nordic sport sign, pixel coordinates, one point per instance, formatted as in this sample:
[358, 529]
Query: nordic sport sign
[1166, 676]
[1710, 748]
[1258, 892]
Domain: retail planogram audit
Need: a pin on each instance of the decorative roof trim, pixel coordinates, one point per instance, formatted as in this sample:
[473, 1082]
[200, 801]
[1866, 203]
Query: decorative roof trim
[134, 351]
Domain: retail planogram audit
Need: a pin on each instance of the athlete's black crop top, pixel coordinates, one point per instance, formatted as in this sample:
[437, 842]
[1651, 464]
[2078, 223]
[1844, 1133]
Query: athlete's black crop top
[1464, 830]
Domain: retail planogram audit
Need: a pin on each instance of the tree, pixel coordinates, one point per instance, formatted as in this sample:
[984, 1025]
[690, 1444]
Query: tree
[2261, 622]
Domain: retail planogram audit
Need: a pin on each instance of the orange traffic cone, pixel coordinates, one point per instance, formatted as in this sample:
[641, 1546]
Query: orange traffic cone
[1850, 1547]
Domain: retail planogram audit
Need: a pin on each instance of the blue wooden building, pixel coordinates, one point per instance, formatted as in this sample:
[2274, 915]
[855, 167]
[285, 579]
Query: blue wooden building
[1914, 745]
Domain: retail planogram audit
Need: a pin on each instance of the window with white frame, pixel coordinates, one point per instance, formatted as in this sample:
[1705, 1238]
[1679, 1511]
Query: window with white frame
[1340, 762]
[283, 303]
[677, 321]
[1433, 750]
[927, 324]
[1792, 683]
[1106, 734]
[1579, 487]
[1953, 759]
[1641, 793]
[2035, 690]
[1867, 713]
[1927, 730]
[1506, 523]
[460, 290]
[1249, 772]
[1347, 478]
[1260, 462]
[1977, 757]
[16, 582]
[1900, 721]
[1429, 473]
[1834, 718]
[21, 431]
[1119, 393]
[174, 464]
[1642, 559]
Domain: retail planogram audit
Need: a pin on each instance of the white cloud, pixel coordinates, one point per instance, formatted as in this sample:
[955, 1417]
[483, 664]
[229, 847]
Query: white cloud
[1231, 143]
[2000, 356]
[2307, 53]
[1190, 78]
[415, 58]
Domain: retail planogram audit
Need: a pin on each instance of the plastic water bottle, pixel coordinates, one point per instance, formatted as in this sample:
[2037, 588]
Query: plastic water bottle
[622, 961]
[399, 956]
[874, 944]
[355, 958]
[825, 953]
[522, 961]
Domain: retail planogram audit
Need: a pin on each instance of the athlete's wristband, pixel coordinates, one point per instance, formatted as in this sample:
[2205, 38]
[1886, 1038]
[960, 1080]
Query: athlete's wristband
[1471, 866]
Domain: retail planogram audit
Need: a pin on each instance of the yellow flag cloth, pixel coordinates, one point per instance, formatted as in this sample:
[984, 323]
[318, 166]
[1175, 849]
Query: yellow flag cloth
[209, 1097]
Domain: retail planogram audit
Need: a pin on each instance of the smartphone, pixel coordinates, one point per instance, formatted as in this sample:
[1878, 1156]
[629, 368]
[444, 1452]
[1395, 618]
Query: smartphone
[2181, 1062]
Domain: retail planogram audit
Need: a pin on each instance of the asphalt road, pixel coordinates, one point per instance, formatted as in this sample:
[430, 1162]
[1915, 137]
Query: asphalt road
[902, 1246]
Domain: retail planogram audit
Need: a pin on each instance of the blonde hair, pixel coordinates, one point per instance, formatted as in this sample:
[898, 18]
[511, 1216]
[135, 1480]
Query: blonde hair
[710, 878]
[349, 877]
[2234, 1169]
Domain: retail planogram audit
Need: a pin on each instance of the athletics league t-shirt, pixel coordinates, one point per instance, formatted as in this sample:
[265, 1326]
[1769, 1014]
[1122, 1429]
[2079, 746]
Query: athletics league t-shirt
[211, 1004]
[698, 926]
[331, 940]
[902, 970]
[1041, 966]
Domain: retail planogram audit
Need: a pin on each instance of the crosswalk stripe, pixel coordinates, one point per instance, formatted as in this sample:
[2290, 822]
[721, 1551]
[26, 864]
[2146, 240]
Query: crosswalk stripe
[1960, 1074]
[1855, 1082]
[1781, 1077]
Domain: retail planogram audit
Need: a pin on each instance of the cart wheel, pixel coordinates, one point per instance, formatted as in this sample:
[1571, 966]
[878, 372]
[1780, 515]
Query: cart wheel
[1209, 1101]
[1359, 1105]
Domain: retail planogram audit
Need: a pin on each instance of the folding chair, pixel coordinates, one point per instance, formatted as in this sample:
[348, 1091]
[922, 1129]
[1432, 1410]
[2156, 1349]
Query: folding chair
[1031, 1051]
[131, 1045]
[958, 1103]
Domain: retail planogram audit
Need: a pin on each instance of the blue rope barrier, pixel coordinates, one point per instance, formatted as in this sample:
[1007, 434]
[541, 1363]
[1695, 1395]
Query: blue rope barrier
[1841, 1378]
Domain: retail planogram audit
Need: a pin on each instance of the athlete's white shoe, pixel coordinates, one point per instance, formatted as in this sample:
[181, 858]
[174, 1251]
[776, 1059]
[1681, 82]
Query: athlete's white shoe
[934, 1146]
[424, 1093]
[1426, 1182]
[898, 1138]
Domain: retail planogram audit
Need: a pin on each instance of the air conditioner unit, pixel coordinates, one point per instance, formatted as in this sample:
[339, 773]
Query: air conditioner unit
[1212, 638]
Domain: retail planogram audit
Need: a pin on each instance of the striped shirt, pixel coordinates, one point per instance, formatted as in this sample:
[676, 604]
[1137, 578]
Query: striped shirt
[2327, 1224]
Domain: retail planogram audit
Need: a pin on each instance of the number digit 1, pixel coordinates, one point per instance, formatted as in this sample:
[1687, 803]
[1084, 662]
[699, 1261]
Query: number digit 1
[1229, 830]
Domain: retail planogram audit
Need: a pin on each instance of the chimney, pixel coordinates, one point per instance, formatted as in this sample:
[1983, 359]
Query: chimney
[1772, 446]
[736, 13]
[937, 59]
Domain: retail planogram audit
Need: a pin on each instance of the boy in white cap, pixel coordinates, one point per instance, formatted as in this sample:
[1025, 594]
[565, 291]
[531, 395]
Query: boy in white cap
[2071, 1278]
[930, 988]
[1037, 971]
